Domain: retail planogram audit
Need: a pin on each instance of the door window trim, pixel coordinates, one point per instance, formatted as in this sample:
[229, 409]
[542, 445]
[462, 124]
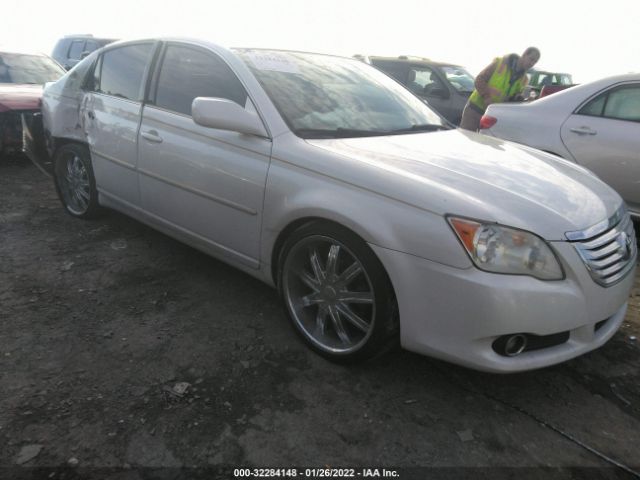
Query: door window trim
[607, 91]
[145, 74]
[82, 41]
[151, 98]
[152, 85]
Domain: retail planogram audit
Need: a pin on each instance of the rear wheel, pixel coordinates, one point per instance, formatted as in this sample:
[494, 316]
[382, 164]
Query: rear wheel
[74, 180]
[337, 293]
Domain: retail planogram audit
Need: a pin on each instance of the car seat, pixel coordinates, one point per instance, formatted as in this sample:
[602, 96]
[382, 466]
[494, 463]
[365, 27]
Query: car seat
[411, 82]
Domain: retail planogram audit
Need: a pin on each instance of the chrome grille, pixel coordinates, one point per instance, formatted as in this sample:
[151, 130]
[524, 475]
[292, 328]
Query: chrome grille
[608, 249]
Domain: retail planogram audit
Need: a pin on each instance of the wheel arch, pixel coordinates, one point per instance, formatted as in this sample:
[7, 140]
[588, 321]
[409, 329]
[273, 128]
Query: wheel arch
[88, 208]
[297, 223]
[57, 142]
[385, 333]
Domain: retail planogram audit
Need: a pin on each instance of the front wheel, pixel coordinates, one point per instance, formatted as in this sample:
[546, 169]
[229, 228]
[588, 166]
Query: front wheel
[74, 180]
[337, 293]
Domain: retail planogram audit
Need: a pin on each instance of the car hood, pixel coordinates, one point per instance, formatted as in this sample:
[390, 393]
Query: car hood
[463, 173]
[19, 97]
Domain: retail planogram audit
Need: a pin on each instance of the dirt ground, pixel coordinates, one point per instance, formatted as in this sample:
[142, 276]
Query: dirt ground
[125, 354]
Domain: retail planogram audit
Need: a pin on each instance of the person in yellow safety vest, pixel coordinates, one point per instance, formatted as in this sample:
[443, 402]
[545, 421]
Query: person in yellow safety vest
[502, 81]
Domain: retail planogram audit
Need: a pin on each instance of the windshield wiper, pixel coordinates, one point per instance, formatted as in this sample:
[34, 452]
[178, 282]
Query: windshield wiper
[336, 133]
[425, 127]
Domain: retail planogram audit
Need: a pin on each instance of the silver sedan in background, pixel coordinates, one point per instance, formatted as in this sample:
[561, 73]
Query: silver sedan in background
[596, 125]
[325, 178]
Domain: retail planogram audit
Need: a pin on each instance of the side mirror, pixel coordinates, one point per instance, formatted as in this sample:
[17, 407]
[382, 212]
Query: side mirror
[226, 115]
[84, 54]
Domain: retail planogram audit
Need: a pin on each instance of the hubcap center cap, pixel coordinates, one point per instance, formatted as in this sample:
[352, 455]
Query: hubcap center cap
[329, 293]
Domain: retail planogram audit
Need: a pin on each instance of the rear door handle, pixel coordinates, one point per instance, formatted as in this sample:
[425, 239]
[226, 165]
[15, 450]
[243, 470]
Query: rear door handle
[152, 136]
[91, 115]
[583, 131]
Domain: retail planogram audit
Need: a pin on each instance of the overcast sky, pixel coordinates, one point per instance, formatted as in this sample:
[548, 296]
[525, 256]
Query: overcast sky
[587, 39]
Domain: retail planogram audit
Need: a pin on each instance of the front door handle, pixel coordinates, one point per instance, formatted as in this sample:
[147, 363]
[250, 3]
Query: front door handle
[583, 131]
[152, 136]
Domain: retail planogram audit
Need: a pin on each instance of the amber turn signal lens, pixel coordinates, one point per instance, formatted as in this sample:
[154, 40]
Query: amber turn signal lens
[466, 230]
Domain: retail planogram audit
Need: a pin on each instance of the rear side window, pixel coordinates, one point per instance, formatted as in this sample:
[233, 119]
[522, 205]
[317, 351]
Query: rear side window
[187, 73]
[90, 46]
[395, 70]
[121, 71]
[76, 49]
[595, 107]
[622, 103]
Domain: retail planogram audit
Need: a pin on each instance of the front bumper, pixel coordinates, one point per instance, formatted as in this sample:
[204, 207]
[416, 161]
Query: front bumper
[456, 314]
[22, 132]
[34, 142]
[11, 133]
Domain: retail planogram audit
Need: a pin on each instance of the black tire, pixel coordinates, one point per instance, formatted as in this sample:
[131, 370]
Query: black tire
[337, 293]
[75, 182]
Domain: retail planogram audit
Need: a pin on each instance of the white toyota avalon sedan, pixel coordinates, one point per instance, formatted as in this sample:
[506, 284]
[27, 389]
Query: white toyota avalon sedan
[327, 179]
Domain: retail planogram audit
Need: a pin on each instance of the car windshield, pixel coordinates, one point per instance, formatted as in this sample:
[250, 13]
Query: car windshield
[321, 96]
[461, 80]
[21, 68]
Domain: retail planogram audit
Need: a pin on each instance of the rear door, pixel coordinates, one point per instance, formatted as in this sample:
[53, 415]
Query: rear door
[111, 115]
[203, 181]
[604, 136]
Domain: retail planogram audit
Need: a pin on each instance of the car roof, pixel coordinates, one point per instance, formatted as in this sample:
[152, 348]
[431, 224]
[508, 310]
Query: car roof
[203, 42]
[88, 35]
[414, 60]
[547, 72]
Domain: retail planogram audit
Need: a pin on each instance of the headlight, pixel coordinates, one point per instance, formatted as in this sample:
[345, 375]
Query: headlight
[499, 249]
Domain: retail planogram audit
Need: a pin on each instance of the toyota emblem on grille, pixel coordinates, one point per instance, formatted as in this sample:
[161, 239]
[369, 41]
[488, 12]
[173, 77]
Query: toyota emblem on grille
[624, 245]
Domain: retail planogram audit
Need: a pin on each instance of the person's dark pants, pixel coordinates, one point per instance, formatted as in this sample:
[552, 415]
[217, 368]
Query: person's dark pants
[470, 118]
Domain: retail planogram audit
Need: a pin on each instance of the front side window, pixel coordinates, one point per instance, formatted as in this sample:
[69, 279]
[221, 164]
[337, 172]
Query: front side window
[35, 69]
[564, 79]
[621, 103]
[426, 81]
[321, 96]
[122, 71]
[187, 73]
[461, 80]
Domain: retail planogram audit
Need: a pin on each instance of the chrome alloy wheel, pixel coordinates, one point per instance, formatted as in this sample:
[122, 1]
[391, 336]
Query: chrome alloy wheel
[329, 294]
[74, 183]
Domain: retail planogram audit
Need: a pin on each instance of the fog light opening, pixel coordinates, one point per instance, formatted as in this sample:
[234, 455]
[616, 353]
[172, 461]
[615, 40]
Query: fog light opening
[515, 345]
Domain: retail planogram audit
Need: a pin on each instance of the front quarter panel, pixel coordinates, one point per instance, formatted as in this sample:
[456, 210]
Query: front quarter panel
[296, 190]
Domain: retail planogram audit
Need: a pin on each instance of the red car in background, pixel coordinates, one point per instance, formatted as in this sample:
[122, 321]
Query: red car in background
[543, 83]
[22, 76]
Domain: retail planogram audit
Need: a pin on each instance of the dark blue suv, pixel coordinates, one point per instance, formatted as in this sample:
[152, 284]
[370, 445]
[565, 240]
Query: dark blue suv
[71, 49]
